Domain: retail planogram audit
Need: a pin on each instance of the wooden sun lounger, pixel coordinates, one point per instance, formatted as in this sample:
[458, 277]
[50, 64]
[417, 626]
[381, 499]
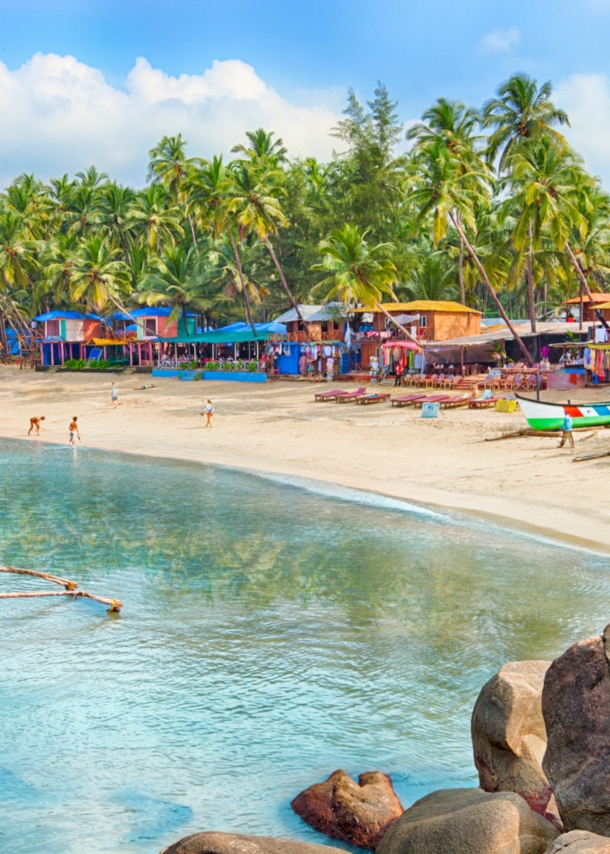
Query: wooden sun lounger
[407, 400]
[431, 398]
[455, 402]
[483, 402]
[373, 398]
[348, 398]
[321, 396]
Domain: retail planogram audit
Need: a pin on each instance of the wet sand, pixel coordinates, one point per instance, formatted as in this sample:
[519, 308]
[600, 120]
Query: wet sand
[277, 428]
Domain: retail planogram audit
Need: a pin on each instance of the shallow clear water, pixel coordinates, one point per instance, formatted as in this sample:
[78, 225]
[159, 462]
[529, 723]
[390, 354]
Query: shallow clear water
[270, 635]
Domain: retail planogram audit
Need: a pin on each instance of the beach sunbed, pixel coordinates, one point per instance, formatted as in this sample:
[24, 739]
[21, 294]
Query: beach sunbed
[406, 400]
[483, 402]
[455, 402]
[431, 398]
[352, 395]
[373, 398]
[329, 395]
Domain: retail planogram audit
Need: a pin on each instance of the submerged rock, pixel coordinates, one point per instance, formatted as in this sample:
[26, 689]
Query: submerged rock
[509, 736]
[235, 843]
[358, 813]
[576, 709]
[469, 821]
[580, 842]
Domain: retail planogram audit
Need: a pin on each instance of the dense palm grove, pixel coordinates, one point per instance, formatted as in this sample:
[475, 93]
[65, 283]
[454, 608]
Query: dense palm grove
[489, 206]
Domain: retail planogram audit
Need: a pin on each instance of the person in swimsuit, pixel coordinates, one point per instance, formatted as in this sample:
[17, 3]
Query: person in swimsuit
[209, 411]
[74, 432]
[35, 424]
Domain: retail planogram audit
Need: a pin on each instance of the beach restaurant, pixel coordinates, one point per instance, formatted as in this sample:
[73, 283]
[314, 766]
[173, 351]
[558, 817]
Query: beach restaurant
[314, 347]
[64, 335]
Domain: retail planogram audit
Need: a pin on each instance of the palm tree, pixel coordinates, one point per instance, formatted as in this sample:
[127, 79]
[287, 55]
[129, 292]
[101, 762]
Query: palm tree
[359, 274]
[168, 164]
[176, 279]
[155, 217]
[263, 147]
[432, 279]
[521, 111]
[115, 210]
[99, 275]
[447, 193]
[256, 209]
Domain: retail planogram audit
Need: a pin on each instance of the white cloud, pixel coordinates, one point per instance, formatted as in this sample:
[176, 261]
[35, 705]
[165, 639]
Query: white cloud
[59, 115]
[501, 41]
[586, 99]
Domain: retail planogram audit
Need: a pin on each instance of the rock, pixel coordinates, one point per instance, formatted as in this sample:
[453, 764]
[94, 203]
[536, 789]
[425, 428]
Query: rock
[509, 736]
[580, 842]
[358, 813]
[576, 710]
[469, 821]
[235, 843]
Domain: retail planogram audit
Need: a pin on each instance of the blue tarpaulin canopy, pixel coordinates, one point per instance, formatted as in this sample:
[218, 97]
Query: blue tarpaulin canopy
[264, 331]
[65, 315]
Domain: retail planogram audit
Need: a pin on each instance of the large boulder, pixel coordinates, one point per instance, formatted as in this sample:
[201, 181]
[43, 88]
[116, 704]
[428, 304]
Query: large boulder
[509, 736]
[235, 843]
[469, 821]
[580, 842]
[576, 710]
[359, 813]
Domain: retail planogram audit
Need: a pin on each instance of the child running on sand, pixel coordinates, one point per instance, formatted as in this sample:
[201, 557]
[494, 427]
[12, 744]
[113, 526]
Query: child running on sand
[74, 432]
[209, 411]
[35, 424]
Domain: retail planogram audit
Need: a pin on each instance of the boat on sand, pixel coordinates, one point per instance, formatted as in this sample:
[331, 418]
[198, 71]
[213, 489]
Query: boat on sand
[549, 416]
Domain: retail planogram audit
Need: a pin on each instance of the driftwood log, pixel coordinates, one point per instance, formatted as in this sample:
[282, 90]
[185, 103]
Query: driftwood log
[70, 589]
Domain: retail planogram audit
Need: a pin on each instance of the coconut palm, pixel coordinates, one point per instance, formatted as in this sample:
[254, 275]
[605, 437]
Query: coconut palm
[99, 275]
[432, 279]
[263, 147]
[446, 193]
[153, 215]
[115, 211]
[176, 279]
[358, 274]
[521, 111]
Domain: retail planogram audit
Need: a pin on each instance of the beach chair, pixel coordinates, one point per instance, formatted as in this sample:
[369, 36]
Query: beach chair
[483, 402]
[431, 398]
[321, 396]
[372, 398]
[451, 381]
[351, 396]
[456, 402]
[407, 399]
[439, 380]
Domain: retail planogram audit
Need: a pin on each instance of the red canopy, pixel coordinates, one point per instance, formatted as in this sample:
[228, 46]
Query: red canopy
[408, 345]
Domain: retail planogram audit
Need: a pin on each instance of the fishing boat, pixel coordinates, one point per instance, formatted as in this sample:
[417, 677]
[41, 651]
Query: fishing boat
[549, 416]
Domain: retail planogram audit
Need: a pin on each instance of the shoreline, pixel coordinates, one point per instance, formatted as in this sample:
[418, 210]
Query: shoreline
[463, 504]
[523, 483]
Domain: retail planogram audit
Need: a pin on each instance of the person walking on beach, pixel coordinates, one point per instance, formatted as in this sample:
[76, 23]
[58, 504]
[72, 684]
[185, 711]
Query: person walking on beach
[567, 431]
[74, 431]
[398, 371]
[35, 424]
[114, 395]
[209, 412]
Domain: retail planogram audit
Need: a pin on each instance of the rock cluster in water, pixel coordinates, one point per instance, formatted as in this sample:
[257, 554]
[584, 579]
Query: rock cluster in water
[541, 742]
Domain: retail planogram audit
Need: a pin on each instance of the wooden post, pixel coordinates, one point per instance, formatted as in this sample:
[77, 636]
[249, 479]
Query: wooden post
[462, 358]
[52, 354]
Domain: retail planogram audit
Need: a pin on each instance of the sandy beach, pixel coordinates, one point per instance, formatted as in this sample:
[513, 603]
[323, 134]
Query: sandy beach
[277, 428]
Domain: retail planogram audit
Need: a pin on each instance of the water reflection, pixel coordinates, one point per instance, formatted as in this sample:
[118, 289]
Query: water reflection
[269, 636]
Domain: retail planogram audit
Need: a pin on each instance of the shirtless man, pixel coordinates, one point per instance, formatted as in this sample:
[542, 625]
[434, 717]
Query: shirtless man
[35, 424]
[74, 432]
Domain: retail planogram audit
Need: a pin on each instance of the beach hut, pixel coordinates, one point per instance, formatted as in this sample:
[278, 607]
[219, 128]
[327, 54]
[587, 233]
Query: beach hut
[316, 343]
[589, 308]
[64, 335]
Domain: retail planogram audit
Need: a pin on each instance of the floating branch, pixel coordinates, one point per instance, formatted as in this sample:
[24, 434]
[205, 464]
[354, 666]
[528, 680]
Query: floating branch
[71, 589]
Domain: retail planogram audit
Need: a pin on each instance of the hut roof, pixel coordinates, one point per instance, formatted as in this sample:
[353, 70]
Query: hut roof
[423, 305]
[585, 298]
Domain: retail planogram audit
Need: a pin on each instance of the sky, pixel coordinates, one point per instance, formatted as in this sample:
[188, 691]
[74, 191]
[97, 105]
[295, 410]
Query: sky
[101, 81]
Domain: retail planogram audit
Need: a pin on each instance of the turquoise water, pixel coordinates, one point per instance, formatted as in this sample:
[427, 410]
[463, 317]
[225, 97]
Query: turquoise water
[270, 635]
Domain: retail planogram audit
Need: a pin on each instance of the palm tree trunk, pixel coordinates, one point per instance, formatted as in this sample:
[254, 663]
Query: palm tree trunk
[289, 294]
[531, 303]
[396, 323]
[194, 234]
[583, 282]
[461, 273]
[491, 291]
[241, 279]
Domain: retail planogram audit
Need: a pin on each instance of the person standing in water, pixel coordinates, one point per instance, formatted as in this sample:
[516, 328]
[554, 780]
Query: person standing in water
[35, 424]
[74, 431]
[114, 395]
[209, 411]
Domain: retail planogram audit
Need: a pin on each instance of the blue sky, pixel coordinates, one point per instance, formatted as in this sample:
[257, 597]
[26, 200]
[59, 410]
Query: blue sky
[285, 65]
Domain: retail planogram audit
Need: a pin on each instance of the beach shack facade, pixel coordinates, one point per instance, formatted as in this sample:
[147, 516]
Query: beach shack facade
[314, 347]
[590, 308]
[65, 334]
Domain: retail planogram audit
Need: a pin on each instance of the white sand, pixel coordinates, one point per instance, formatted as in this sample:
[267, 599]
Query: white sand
[276, 427]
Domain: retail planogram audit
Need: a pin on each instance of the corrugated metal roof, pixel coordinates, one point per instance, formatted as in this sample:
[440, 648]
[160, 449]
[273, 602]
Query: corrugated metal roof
[523, 330]
[291, 315]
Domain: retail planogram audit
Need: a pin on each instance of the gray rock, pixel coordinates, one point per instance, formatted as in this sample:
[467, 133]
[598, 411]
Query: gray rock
[576, 710]
[509, 736]
[469, 821]
[580, 842]
[235, 843]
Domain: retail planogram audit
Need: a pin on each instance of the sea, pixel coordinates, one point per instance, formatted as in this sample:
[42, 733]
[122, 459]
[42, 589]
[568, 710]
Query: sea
[273, 631]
